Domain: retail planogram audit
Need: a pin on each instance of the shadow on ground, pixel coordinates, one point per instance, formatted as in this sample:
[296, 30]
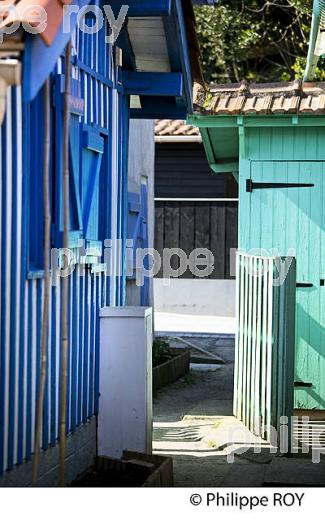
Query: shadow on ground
[193, 423]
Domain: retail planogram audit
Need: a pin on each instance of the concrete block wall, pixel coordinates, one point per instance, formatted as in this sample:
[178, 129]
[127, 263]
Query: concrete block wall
[194, 296]
[80, 454]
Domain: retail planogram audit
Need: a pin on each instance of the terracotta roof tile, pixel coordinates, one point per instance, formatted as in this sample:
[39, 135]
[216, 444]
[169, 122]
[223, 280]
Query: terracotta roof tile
[170, 127]
[264, 104]
[238, 106]
[249, 106]
[313, 104]
[22, 12]
[223, 104]
[268, 98]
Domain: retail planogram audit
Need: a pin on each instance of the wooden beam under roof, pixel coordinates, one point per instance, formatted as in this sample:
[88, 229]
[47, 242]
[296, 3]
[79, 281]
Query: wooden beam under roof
[141, 8]
[153, 83]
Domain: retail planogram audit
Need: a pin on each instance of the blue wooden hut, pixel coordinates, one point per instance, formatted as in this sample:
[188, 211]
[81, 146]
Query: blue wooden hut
[146, 73]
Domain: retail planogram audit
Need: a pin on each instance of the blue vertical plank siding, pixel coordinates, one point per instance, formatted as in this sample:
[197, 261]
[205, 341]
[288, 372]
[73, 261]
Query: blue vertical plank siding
[3, 296]
[52, 347]
[29, 369]
[22, 343]
[14, 334]
[68, 410]
[85, 353]
[81, 344]
[91, 350]
[21, 255]
[99, 303]
[39, 320]
[74, 351]
[3, 202]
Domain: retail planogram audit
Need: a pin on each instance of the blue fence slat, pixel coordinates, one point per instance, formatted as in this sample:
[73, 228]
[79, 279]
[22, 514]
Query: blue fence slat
[4, 291]
[85, 352]
[14, 334]
[68, 401]
[53, 366]
[29, 405]
[59, 364]
[74, 347]
[92, 343]
[98, 305]
[81, 345]
[45, 437]
[23, 349]
[39, 320]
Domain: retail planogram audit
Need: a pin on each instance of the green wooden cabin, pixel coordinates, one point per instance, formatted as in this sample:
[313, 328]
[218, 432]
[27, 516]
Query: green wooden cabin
[272, 138]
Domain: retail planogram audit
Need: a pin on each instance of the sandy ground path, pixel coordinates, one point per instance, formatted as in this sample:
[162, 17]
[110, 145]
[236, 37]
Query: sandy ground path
[193, 423]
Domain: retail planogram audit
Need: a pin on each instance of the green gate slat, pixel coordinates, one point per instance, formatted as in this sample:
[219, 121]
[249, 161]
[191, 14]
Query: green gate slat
[264, 357]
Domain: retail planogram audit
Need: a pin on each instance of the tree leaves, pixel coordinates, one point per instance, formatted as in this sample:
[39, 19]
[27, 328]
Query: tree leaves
[257, 40]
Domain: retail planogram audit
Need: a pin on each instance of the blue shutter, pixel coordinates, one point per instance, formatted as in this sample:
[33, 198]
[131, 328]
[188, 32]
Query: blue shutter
[138, 231]
[86, 148]
[76, 224]
[91, 160]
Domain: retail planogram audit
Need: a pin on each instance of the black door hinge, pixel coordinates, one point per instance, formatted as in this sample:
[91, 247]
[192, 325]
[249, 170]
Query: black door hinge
[250, 185]
[302, 384]
[304, 284]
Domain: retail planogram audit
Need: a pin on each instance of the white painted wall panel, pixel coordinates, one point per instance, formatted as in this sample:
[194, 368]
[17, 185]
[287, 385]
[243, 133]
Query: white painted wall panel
[125, 381]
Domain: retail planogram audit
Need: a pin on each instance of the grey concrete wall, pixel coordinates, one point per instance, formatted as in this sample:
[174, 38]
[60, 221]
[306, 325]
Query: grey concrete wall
[80, 454]
[199, 297]
[142, 170]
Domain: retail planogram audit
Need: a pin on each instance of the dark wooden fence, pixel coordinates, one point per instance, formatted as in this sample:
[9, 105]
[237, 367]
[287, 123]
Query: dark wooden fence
[194, 224]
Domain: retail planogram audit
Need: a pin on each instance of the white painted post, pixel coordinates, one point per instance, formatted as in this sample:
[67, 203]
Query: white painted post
[125, 381]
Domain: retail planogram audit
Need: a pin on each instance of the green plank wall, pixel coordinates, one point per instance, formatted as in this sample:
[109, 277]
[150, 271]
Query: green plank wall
[291, 221]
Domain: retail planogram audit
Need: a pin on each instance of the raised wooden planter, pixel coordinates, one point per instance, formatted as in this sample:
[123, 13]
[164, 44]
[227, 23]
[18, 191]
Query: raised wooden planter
[132, 470]
[172, 369]
[162, 474]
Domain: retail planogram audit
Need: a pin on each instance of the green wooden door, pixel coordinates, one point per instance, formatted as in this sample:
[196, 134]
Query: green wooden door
[291, 222]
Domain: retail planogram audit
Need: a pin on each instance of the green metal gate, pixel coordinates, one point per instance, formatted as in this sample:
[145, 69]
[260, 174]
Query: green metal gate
[264, 358]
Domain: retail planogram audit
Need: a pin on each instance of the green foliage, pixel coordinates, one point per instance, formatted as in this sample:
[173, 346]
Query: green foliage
[257, 40]
[160, 351]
